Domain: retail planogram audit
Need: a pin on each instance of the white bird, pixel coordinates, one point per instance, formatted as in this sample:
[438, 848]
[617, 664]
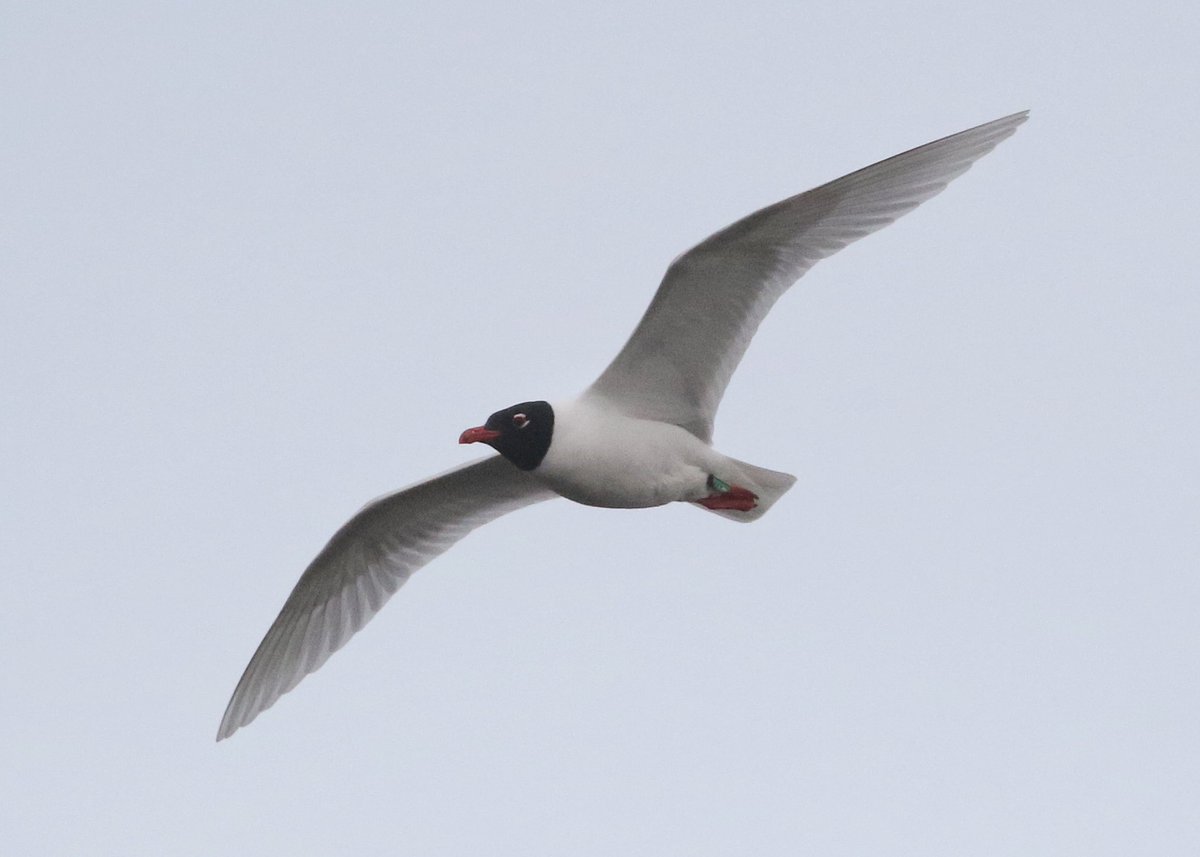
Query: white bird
[639, 436]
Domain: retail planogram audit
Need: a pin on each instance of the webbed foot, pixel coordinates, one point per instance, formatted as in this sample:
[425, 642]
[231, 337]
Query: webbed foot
[728, 496]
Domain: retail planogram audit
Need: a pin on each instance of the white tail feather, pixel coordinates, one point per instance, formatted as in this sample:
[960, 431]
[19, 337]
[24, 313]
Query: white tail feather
[769, 485]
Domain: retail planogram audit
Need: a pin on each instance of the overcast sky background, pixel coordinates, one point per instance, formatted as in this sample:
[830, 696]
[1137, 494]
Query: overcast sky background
[260, 265]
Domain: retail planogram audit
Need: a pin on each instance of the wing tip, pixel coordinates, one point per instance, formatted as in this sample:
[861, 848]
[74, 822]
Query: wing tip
[230, 723]
[1003, 127]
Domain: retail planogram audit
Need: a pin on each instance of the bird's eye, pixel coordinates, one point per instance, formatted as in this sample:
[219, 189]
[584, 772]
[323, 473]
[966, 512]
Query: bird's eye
[520, 420]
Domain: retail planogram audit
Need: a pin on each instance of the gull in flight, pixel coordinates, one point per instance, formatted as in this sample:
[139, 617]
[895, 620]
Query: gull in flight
[639, 436]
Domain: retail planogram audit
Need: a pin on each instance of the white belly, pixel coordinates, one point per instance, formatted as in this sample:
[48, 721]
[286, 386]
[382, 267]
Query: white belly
[602, 459]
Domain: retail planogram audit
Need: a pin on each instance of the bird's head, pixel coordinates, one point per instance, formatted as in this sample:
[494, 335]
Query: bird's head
[520, 433]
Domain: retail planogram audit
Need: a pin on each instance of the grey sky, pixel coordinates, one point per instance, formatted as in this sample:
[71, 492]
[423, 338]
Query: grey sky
[259, 266]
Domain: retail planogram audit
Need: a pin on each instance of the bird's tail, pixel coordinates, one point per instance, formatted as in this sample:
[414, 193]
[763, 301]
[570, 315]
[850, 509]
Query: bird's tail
[769, 485]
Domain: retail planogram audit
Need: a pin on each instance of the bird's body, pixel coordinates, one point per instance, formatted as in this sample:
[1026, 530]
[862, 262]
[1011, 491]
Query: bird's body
[600, 457]
[640, 436]
[603, 458]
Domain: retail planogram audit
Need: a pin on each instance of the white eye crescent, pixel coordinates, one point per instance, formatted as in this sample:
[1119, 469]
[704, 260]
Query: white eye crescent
[520, 420]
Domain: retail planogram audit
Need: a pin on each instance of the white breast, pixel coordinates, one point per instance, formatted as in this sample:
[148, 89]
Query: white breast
[601, 458]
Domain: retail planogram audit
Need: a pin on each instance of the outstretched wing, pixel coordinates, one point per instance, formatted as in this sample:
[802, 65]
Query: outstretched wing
[677, 363]
[364, 563]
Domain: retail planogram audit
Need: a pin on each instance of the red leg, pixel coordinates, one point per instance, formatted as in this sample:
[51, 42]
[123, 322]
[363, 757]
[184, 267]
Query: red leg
[737, 498]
